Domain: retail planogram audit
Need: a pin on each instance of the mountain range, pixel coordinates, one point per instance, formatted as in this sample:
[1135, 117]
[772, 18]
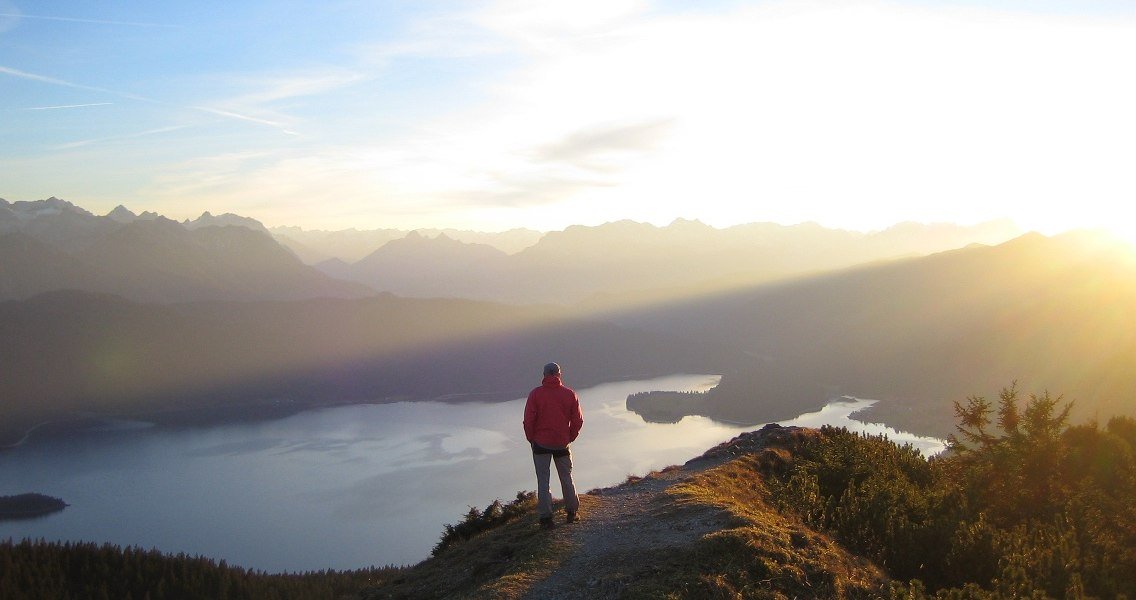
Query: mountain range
[140, 314]
[590, 264]
[51, 244]
[349, 245]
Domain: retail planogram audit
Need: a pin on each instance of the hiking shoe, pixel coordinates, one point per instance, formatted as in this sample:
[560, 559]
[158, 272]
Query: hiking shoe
[571, 517]
[546, 523]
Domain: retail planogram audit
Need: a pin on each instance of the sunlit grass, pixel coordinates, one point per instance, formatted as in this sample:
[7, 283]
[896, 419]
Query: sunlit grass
[764, 554]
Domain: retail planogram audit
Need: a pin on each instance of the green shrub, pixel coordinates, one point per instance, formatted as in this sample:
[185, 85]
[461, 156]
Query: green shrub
[1022, 505]
[477, 521]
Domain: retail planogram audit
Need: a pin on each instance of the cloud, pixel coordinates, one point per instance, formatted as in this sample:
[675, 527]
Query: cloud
[280, 184]
[139, 134]
[17, 15]
[232, 115]
[9, 15]
[547, 26]
[257, 105]
[855, 114]
[437, 36]
[64, 83]
[589, 158]
[596, 148]
[510, 190]
[291, 89]
[275, 87]
[63, 106]
[49, 80]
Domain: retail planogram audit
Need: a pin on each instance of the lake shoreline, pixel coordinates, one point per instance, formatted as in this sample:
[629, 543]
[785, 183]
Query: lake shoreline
[212, 416]
[317, 489]
[889, 413]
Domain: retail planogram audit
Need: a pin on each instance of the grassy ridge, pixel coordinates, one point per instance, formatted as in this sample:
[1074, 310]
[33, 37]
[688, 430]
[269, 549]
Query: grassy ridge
[764, 554]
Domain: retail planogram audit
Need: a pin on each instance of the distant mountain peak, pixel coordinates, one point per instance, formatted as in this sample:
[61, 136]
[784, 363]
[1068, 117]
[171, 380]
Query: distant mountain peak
[48, 207]
[208, 219]
[683, 222]
[121, 214]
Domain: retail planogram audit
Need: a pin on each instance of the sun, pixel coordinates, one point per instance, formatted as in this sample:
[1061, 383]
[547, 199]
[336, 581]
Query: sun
[1098, 219]
[1127, 233]
[1121, 232]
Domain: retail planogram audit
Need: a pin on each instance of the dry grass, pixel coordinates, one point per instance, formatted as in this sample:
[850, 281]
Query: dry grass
[765, 555]
[501, 563]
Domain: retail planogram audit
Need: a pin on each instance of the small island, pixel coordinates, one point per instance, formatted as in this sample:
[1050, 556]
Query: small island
[666, 407]
[29, 506]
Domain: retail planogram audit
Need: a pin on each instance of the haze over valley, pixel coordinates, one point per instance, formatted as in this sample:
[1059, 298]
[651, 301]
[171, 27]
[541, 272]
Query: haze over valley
[204, 320]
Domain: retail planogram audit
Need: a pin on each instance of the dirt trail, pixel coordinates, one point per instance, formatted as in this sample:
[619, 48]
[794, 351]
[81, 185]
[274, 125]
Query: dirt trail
[617, 523]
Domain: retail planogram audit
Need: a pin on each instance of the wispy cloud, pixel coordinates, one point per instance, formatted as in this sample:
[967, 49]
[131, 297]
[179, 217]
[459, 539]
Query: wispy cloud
[62, 106]
[64, 83]
[41, 78]
[90, 21]
[232, 115]
[273, 88]
[599, 148]
[256, 105]
[113, 138]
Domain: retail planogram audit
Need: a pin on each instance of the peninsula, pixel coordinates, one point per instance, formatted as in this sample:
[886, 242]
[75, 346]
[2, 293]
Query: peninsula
[29, 506]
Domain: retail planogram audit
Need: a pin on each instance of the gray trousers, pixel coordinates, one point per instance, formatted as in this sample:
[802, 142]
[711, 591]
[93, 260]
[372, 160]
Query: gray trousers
[543, 474]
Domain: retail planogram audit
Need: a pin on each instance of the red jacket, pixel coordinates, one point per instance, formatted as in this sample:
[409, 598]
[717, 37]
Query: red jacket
[552, 414]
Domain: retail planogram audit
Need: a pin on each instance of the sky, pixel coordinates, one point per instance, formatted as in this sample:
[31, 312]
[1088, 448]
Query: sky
[500, 114]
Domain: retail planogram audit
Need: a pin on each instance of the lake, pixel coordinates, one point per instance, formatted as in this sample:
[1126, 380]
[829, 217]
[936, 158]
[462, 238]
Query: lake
[343, 487]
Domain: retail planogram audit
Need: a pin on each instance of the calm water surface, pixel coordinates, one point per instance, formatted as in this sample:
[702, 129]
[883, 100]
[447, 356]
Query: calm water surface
[338, 488]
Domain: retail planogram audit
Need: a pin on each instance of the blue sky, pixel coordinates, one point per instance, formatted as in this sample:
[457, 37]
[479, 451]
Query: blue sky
[492, 115]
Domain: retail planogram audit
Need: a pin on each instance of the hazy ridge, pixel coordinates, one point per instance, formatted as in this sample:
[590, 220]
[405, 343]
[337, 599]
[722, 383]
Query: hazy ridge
[51, 244]
[922, 332]
[590, 263]
[79, 353]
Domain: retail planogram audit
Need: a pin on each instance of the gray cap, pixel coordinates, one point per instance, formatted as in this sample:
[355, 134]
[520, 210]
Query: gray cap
[551, 369]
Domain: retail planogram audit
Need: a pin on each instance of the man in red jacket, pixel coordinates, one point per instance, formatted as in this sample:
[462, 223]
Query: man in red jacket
[552, 421]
